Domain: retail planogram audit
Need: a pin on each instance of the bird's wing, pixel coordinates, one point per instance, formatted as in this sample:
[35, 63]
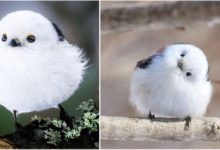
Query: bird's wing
[145, 63]
[207, 75]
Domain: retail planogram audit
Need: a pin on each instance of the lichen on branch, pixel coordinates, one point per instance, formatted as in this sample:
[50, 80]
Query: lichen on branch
[56, 133]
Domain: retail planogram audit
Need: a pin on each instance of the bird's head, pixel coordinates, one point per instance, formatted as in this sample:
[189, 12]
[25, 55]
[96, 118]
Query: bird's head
[29, 30]
[186, 60]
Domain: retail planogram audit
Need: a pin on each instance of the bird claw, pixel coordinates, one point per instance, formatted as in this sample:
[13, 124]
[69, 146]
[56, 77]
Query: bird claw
[19, 129]
[188, 121]
[151, 116]
[17, 125]
[65, 117]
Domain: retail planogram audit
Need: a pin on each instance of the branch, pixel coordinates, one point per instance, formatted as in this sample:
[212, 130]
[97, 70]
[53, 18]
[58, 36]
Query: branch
[64, 132]
[124, 128]
[177, 14]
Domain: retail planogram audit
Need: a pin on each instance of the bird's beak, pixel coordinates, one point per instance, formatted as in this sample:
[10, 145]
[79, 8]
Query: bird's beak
[180, 65]
[15, 43]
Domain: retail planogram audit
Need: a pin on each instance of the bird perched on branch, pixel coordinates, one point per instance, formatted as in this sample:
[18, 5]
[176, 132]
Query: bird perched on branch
[39, 69]
[173, 82]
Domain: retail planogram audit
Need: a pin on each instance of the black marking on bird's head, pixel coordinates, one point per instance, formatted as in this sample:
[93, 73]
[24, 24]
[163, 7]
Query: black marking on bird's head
[58, 31]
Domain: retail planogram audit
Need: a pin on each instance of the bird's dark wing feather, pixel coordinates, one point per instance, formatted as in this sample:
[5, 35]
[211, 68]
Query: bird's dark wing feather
[145, 63]
[207, 75]
[58, 31]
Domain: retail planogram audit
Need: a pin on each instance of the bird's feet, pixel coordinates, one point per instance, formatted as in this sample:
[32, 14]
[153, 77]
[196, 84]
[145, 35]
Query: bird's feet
[19, 129]
[188, 121]
[65, 117]
[17, 125]
[151, 116]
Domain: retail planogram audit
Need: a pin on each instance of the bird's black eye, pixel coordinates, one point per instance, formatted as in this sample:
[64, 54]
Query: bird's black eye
[31, 38]
[4, 37]
[188, 74]
[183, 54]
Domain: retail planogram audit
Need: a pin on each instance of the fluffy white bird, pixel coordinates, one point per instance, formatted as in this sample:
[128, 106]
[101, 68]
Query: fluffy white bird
[39, 69]
[173, 82]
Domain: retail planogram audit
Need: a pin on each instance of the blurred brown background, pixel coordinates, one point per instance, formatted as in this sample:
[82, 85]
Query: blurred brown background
[124, 41]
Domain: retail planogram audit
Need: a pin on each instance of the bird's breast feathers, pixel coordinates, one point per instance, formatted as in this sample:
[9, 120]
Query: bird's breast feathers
[34, 80]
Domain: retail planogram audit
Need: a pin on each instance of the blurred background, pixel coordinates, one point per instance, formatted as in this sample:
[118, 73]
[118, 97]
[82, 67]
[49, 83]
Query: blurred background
[131, 31]
[79, 22]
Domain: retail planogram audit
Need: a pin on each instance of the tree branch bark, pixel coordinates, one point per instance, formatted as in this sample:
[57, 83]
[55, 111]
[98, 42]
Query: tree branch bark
[124, 128]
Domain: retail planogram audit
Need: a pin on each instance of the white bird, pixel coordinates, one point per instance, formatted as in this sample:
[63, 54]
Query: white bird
[173, 82]
[39, 69]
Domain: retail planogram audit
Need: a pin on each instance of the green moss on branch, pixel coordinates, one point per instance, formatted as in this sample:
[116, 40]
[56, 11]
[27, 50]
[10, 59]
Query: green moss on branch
[55, 133]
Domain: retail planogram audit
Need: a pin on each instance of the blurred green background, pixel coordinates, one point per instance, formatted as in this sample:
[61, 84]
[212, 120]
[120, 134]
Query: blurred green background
[79, 22]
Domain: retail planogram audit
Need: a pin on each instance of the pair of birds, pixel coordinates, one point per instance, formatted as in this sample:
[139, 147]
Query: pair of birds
[39, 69]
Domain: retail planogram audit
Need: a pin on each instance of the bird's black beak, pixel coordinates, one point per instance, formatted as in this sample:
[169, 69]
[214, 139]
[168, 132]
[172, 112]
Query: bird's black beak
[15, 43]
[180, 65]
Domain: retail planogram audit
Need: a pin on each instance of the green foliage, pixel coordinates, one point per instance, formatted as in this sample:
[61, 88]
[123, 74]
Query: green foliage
[96, 145]
[56, 131]
[52, 136]
[90, 121]
[86, 106]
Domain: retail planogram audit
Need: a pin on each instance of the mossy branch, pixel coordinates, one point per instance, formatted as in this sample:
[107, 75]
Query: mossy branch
[163, 129]
[56, 133]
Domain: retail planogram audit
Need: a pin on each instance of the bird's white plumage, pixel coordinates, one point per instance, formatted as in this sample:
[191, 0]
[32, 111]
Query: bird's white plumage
[165, 90]
[38, 75]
